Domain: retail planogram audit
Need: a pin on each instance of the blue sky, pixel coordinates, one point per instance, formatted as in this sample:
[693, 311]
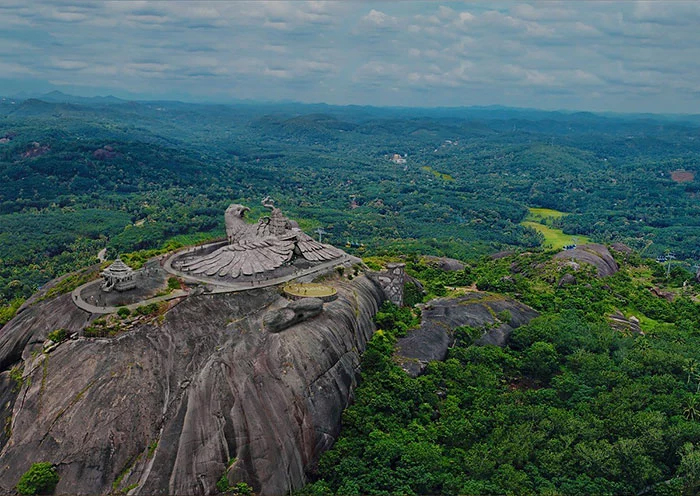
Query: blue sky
[618, 56]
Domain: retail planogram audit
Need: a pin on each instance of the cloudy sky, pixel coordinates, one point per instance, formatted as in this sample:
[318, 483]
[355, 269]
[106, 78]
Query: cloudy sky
[620, 56]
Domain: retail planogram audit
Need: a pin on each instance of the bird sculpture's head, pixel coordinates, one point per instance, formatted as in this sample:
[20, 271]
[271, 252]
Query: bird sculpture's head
[236, 210]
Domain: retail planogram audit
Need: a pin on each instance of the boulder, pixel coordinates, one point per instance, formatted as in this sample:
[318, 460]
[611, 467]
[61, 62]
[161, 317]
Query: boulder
[450, 265]
[594, 254]
[621, 248]
[566, 280]
[294, 313]
[660, 293]
[620, 323]
[446, 264]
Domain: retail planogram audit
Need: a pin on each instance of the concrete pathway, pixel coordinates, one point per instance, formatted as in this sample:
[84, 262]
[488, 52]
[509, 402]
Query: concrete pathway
[89, 307]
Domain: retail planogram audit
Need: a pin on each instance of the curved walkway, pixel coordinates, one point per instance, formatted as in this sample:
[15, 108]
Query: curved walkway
[89, 307]
[215, 288]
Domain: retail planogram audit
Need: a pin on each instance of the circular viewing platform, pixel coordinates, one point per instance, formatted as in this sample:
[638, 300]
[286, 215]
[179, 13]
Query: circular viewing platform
[296, 291]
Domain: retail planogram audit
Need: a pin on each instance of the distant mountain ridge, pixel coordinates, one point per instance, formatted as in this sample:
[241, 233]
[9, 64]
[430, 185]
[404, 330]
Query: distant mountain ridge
[495, 112]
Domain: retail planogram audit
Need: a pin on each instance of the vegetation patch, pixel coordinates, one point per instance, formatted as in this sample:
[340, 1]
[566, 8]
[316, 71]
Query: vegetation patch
[41, 478]
[69, 283]
[437, 174]
[555, 238]
[58, 336]
[541, 215]
[16, 374]
[8, 311]
[570, 406]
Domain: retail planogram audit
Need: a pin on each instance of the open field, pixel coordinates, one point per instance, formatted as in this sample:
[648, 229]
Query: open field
[555, 238]
[538, 218]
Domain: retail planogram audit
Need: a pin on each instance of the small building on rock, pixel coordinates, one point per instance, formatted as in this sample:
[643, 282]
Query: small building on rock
[118, 276]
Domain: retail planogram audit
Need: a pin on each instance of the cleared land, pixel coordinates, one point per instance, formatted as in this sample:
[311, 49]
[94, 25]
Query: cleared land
[682, 176]
[553, 238]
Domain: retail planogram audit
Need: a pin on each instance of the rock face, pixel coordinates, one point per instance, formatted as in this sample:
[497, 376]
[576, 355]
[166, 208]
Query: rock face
[295, 312]
[446, 264]
[441, 316]
[164, 408]
[621, 323]
[621, 248]
[666, 295]
[594, 254]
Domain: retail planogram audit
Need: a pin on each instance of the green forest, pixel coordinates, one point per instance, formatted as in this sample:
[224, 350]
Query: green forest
[570, 406]
[127, 176]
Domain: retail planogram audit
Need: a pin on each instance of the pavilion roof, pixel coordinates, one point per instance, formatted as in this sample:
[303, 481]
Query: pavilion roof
[118, 268]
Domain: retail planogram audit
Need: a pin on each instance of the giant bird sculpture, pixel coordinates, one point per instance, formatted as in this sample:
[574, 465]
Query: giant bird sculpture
[256, 248]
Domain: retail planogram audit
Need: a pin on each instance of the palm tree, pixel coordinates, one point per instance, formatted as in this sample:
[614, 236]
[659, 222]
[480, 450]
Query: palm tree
[692, 409]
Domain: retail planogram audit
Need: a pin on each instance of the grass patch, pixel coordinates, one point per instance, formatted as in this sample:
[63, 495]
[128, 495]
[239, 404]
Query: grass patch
[69, 283]
[555, 238]
[438, 174]
[542, 214]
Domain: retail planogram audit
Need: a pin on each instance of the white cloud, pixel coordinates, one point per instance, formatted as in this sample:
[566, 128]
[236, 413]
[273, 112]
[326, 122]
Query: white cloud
[380, 19]
[68, 64]
[530, 54]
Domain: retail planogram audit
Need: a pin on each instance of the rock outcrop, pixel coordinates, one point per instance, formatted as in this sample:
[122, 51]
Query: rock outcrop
[621, 248]
[496, 315]
[445, 263]
[171, 406]
[594, 254]
[295, 312]
[623, 324]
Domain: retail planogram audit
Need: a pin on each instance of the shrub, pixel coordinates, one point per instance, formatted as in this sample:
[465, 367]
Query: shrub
[238, 489]
[41, 478]
[412, 294]
[149, 309]
[123, 312]
[95, 332]
[58, 336]
[241, 489]
[173, 283]
[222, 484]
[16, 374]
[504, 316]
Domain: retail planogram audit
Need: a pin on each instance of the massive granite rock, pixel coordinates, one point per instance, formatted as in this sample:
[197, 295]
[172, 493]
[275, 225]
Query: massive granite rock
[594, 254]
[496, 315]
[171, 406]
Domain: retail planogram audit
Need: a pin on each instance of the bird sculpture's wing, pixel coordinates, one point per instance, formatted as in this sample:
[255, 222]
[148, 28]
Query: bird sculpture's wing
[247, 257]
[313, 250]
